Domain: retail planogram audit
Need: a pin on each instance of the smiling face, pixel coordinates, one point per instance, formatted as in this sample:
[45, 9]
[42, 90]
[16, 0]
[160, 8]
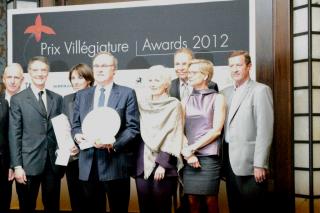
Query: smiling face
[38, 72]
[240, 71]
[181, 63]
[104, 69]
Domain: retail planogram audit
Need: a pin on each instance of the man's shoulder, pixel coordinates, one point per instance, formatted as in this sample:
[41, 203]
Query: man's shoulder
[53, 94]
[227, 89]
[123, 89]
[85, 92]
[22, 94]
[175, 81]
[69, 96]
[259, 87]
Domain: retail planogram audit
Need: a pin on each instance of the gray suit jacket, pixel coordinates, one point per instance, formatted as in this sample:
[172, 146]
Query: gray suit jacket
[31, 135]
[114, 165]
[250, 128]
[175, 88]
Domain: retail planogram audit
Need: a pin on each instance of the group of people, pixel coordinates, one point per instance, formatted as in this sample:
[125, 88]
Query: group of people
[181, 129]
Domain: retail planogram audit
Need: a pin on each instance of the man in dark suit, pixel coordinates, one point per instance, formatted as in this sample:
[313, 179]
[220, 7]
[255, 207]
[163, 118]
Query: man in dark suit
[5, 184]
[32, 140]
[180, 88]
[12, 80]
[106, 165]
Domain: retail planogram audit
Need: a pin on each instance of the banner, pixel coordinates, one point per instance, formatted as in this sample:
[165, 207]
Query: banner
[140, 34]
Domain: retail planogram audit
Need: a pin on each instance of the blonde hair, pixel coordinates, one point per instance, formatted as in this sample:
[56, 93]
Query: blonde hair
[205, 66]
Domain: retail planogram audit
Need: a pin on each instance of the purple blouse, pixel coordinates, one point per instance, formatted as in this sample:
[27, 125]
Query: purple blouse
[199, 119]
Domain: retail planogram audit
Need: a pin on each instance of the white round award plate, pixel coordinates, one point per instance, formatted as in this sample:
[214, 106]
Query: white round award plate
[101, 125]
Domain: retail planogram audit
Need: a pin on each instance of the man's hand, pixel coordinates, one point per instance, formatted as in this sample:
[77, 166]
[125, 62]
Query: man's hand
[260, 174]
[10, 175]
[79, 138]
[159, 173]
[193, 161]
[20, 175]
[109, 147]
[74, 150]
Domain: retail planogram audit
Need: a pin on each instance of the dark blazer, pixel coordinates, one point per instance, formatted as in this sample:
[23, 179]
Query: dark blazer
[4, 143]
[175, 88]
[68, 106]
[31, 134]
[118, 164]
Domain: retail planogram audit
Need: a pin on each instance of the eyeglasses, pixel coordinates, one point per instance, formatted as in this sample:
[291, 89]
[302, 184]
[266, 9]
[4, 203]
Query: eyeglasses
[103, 65]
[194, 72]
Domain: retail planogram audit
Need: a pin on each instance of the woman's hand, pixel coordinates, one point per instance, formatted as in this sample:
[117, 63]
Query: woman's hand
[159, 173]
[193, 161]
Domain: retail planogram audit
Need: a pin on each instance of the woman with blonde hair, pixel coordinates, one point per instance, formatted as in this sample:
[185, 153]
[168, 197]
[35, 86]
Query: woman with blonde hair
[205, 111]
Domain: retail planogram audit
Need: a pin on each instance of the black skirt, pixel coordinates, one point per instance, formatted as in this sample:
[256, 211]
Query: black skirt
[204, 180]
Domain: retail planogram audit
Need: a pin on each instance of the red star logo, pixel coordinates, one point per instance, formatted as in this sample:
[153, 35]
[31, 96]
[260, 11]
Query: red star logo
[38, 28]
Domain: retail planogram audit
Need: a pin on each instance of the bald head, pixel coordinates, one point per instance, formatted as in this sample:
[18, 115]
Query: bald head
[12, 78]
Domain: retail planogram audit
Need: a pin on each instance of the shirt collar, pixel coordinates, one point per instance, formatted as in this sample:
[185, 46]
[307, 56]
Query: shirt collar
[106, 87]
[241, 86]
[36, 90]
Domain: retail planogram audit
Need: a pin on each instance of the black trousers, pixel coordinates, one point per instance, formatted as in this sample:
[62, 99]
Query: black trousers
[50, 186]
[74, 186]
[156, 196]
[95, 191]
[5, 187]
[244, 193]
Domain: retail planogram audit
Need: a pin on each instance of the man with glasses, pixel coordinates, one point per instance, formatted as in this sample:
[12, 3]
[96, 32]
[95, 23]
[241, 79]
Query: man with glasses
[105, 165]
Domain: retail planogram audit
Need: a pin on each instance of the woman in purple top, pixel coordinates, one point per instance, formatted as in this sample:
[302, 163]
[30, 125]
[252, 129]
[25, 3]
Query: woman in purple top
[158, 160]
[205, 112]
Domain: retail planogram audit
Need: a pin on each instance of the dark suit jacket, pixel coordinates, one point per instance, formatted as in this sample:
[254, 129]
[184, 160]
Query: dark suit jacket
[119, 164]
[68, 106]
[31, 134]
[4, 143]
[175, 88]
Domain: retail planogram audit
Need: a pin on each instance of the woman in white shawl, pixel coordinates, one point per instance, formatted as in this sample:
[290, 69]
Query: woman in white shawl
[158, 160]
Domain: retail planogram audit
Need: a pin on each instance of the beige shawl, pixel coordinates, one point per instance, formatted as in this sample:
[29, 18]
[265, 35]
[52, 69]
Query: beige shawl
[161, 126]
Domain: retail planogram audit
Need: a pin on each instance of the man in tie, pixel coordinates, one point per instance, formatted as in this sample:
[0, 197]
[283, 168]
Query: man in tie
[104, 165]
[33, 142]
[180, 88]
[248, 137]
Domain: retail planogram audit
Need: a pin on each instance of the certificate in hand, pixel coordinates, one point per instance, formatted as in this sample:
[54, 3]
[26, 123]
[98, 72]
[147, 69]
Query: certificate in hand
[100, 126]
[65, 142]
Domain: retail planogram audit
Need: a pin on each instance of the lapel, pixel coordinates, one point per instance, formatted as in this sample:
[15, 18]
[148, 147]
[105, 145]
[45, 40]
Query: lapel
[234, 110]
[178, 88]
[50, 102]
[114, 96]
[90, 97]
[32, 100]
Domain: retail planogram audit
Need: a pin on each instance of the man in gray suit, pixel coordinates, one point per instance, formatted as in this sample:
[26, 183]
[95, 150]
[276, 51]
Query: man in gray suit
[180, 88]
[32, 140]
[248, 137]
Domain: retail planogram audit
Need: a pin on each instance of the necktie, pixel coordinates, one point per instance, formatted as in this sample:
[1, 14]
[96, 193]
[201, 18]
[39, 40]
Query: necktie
[41, 103]
[102, 97]
[185, 91]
